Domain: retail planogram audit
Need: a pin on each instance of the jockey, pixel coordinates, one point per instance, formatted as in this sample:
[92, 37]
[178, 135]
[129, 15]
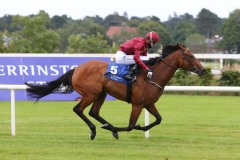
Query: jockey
[135, 52]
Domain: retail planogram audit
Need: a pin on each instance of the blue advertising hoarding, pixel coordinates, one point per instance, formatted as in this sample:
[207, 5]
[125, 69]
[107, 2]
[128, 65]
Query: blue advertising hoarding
[38, 69]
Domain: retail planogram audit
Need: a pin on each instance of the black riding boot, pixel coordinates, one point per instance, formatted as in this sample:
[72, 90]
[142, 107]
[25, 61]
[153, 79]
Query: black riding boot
[131, 73]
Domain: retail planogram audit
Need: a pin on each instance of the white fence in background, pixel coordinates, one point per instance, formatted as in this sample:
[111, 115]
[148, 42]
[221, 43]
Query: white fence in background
[12, 88]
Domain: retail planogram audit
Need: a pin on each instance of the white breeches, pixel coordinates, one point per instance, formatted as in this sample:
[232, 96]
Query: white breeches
[122, 58]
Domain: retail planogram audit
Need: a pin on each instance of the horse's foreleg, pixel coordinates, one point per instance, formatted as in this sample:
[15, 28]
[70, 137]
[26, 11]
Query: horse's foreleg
[94, 112]
[136, 111]
[153, 110]
[79, 108]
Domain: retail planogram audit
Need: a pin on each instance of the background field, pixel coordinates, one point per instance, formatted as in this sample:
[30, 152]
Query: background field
[193, 127]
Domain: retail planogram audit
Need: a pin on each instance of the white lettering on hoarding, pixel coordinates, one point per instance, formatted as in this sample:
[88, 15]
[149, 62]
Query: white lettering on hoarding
[40, 70]
[2, 73]
[64, 67]
[32, 70]
[74, 66]
[23, 70]
[54, 69]
[11, 70]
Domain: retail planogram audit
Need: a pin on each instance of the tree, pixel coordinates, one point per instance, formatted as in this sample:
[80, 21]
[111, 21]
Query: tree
[6, 23]
[114, 20]
[135, 21]
[196, 43]
[74, 42]
[230, 31]
[2, 46]
[183, 30]
[90, 44]
[33, 37]
[207, 23]
[89, 27]
[84, 27]
[58, 22]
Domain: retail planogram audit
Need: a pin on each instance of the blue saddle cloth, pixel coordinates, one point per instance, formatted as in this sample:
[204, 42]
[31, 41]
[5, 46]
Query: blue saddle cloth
[116, 72]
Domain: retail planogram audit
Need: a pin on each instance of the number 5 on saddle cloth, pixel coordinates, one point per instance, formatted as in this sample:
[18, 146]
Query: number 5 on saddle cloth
[116, 72]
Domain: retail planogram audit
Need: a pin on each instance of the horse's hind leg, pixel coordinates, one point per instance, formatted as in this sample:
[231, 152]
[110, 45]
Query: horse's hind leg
[94, 112]
[79, 108]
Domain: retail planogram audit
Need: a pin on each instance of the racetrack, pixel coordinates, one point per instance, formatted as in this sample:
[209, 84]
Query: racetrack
[193, 127]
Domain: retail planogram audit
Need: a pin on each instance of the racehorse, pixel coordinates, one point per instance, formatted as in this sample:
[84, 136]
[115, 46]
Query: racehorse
[89, 81]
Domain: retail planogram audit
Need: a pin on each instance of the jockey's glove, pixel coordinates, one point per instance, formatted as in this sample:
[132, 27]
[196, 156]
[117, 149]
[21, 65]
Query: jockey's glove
[149, 74]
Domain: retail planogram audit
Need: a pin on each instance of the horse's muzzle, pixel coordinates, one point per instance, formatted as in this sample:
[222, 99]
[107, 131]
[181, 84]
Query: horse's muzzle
[201, 72]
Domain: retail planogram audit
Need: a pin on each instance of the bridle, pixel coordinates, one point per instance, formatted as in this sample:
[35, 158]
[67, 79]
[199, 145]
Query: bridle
[185, 57]
[189, 59]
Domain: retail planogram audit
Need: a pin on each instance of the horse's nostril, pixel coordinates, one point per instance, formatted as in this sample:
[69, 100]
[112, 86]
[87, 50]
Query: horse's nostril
[203, 72]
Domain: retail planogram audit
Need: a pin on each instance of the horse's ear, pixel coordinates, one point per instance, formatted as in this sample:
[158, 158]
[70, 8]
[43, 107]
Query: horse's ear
[181, 45]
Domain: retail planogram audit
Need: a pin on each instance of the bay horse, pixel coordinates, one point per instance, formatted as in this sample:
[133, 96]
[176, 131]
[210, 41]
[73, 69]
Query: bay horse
[89, 81]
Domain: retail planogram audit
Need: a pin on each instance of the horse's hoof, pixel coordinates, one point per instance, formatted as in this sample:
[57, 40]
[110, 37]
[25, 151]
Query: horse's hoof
[137, 127]
[115, 135]
[92, 135]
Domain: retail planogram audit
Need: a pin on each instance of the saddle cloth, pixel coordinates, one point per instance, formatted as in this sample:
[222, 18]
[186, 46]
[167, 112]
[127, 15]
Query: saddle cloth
[116, 72]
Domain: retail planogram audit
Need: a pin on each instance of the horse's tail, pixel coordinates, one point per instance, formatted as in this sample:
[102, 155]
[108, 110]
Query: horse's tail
[61, 85]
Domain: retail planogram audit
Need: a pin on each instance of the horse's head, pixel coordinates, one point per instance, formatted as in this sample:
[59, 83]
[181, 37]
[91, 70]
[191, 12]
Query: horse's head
[189, 62]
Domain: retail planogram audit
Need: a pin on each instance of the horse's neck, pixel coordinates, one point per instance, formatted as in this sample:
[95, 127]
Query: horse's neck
[164, 72]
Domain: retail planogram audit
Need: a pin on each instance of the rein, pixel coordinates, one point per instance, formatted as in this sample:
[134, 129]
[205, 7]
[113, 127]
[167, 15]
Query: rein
[168, 63]
[154, 83]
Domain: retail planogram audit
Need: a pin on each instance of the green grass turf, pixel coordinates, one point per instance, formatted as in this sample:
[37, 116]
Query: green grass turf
[193, 128]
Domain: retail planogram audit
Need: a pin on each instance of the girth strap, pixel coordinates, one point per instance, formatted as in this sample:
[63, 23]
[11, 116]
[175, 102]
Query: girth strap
[129, 93]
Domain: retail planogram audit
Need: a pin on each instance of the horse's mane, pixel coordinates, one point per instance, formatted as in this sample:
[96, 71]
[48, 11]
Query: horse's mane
[167, 50]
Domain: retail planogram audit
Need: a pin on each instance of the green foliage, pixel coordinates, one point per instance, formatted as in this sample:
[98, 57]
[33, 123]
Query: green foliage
[89, 27]
[231, 32]
[207, 78]
[135, 21]
[186, 78]
[33, 36]
[58, 22]
[90, 44]
[2, 47]
[183, 78]
[196, 43]
[83, 28]
[207, 23]
[183, 30]
[230, 78]
[28, 29]
[74, 43]
[114, 20]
